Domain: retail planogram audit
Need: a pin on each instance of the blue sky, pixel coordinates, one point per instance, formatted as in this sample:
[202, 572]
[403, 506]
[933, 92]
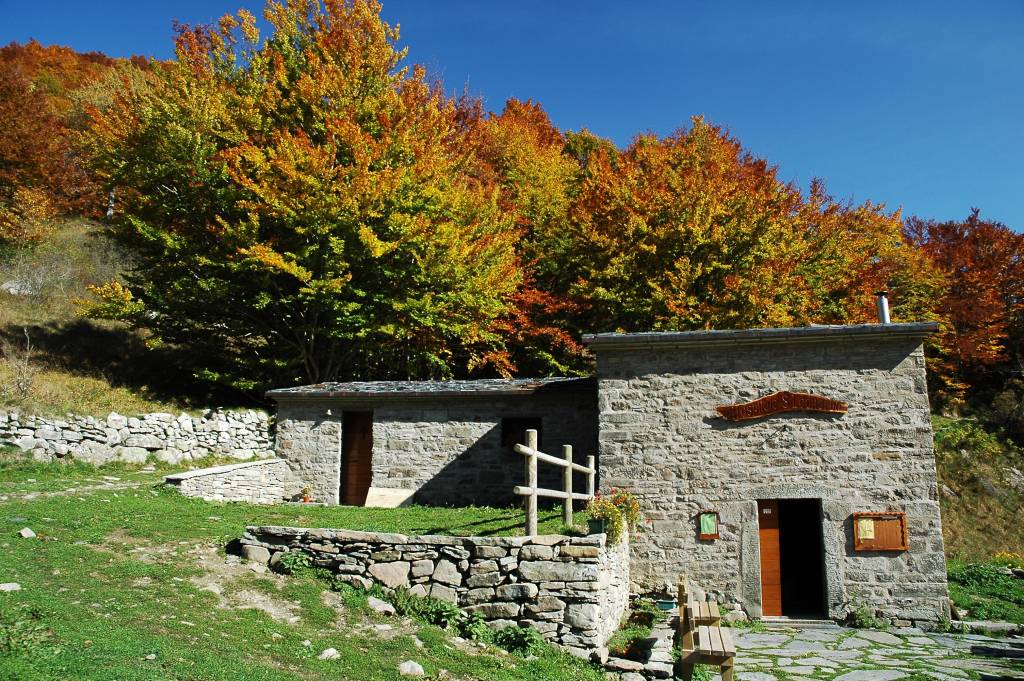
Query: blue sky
[914, 104]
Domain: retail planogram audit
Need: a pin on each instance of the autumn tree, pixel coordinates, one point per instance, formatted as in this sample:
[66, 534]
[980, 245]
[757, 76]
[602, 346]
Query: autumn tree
[300, 207]
[981, 343]
[691, 231]
[522, 154]
[41, 170]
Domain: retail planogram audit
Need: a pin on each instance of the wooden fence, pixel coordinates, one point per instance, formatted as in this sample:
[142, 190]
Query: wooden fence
[531, 490]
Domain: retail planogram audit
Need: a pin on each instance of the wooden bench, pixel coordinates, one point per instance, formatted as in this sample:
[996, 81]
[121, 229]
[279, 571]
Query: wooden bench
[701, 637]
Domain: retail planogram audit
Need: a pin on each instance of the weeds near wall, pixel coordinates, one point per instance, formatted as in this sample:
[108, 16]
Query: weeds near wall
[20, 368]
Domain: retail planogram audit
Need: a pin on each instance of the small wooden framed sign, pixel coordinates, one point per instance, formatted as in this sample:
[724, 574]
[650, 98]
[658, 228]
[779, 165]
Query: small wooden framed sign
[707, 525]
[880, 531]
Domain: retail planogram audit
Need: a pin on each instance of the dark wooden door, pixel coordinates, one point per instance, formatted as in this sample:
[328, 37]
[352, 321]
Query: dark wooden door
[771, 563]
[356, 456]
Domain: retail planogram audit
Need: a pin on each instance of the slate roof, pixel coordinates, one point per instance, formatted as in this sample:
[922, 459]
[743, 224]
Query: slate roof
[484, 387]
[746, 336]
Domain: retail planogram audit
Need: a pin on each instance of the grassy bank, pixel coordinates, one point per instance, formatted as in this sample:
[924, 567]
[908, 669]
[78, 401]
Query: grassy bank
[980, 489]
[129, 581]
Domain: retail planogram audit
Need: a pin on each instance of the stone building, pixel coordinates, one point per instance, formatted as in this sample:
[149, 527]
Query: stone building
[786, 486]
[788, 471]
[433, 442]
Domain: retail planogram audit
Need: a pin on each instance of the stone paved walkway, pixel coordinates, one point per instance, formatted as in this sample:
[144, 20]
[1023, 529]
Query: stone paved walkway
[832, 652]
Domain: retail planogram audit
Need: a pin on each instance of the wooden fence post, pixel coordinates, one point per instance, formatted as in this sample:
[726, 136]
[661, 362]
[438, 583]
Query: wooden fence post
[590, 475]
[567, 485]
[531, 481]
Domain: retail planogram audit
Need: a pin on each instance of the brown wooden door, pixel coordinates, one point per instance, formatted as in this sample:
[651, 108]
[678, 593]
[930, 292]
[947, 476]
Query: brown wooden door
[356, 456]
[771, 564]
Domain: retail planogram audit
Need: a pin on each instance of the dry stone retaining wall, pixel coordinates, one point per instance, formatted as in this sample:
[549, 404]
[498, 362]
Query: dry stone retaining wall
[573, 590]
[133, 439]
[267, 481]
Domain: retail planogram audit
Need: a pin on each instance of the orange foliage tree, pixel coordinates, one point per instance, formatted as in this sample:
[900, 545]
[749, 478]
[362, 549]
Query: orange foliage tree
[41, 170]
[983, 303]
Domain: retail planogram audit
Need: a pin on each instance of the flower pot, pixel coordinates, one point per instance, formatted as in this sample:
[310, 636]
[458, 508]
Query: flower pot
[665, 606]
[306, 498]
[596, 525]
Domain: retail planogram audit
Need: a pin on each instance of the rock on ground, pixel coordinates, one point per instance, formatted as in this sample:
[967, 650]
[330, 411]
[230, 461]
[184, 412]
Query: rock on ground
[379, 606]
[410, 668]
[330, 654]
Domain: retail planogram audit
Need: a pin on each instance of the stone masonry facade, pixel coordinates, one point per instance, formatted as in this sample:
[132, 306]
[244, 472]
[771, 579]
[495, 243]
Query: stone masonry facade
[660, 437]
[446, 450]
[573, 590]
[134, 439]
[266, 481]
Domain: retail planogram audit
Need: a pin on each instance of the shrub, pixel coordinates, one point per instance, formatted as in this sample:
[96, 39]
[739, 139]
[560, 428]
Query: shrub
[295, 563]
[474, 627]
[519, 640]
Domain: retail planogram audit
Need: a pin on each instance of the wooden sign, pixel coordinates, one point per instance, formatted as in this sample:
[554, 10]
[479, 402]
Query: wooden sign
[779, 402]
[880, 531]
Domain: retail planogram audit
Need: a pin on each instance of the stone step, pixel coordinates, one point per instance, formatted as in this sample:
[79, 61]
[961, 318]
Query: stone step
[799, 623]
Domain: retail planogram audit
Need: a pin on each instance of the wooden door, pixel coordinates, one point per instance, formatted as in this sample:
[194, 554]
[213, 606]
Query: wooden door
[771, 564]
[356, 456]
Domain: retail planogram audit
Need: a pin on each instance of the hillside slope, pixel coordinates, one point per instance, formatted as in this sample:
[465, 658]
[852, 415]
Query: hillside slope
[76, 364]
[981, 488]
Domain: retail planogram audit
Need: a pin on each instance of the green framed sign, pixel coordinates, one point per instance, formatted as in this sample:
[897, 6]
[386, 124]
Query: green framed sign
[708, 525]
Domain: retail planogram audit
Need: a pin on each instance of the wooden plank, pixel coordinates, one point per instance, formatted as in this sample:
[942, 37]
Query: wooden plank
[528, 451]
[728, 669]
[526, 491]
[704, 640]
[771, 563]
[531, 481]
[713, 613]
[716, 641]
[728, 646]
[567, 486]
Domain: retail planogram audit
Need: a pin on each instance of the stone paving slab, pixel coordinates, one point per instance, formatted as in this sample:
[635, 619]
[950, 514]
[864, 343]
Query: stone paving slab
[833, 653]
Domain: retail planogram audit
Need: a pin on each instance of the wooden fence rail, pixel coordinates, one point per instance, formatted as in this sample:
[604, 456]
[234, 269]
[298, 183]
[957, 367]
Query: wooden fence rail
[532, 491]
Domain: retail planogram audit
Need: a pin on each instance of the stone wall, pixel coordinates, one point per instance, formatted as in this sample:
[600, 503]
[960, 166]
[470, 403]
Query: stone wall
[267, 481]
[133, 439]
[444, 450]
[573, 590]
[661, 438]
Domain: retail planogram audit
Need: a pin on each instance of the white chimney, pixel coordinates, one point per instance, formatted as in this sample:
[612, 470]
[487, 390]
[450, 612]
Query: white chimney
[883, 307]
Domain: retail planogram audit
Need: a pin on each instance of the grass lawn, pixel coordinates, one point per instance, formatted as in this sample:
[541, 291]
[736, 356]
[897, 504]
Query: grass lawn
[986, 592]
[129, 581]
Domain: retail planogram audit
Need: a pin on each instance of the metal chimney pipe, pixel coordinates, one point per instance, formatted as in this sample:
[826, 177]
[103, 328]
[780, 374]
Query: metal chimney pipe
[883, 307]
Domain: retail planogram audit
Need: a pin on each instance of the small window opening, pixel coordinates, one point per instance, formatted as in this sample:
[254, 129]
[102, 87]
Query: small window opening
[513, 431]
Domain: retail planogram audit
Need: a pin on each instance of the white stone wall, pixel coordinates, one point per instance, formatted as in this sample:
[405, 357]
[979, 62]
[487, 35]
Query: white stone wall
[268, 481]
[446, 449]
[660, 437]
[573, 590]
[134, 439]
